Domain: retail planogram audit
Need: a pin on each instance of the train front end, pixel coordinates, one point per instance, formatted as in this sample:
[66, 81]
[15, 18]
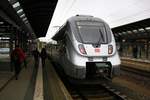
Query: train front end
[95, 50]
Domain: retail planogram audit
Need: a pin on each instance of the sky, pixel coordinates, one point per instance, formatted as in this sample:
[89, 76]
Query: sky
[114, 12]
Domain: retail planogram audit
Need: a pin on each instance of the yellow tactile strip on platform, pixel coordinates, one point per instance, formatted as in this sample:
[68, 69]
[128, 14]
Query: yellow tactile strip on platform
[38, 93]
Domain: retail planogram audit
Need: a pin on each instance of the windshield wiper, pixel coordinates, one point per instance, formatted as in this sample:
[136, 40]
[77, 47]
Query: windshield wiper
[101, 34]
[101, 39]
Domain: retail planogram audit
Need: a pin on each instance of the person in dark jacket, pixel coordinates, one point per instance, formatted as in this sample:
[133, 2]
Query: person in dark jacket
[43, 56]
[17, 57]
[135, 51]
[36, 55]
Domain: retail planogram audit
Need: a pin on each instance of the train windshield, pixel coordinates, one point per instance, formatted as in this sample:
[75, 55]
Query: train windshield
[92, 32]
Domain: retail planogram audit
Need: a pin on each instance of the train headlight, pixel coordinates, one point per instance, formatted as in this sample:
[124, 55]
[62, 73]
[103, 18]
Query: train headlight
[81, 48]
[110, 49]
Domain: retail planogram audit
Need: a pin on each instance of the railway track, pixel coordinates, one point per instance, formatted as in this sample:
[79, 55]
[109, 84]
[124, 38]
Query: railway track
[95, 91]
[90, 89]
[136, 71]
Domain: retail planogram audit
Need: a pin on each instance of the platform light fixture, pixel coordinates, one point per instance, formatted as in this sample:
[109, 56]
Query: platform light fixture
[129, 32]
[23, 15]
[147, 28]
[13, 1]
[124, 33]
[141, 30]
[135, 31]
[19, 11]
[123, 40]
[18, 8]
[24, 19]
[17, 4]
[1, 23]
[119, 34]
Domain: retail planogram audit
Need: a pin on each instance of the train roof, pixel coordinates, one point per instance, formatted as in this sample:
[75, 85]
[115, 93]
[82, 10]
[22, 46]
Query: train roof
[84, 17]
[60, 33]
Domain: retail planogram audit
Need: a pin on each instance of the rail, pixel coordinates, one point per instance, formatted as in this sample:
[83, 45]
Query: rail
[96, 91]
[135, 64]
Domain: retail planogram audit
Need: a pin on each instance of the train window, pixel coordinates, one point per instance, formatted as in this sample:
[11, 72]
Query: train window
[92, 32]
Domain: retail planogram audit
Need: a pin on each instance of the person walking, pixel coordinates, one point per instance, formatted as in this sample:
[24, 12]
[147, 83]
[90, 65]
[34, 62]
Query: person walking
[17, 57]
[43, 56]
[36, 55]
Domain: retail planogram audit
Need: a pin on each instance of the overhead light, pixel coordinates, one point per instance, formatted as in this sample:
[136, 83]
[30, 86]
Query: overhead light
[147, 28]
[13, 1]
[129, 32]
[1, 23]
[23, 15]
[24, 19]
[135, 31]
[124, 32]
[20, 10]
[123, 40]
[17, 4]
[119, 33]
[141, 30]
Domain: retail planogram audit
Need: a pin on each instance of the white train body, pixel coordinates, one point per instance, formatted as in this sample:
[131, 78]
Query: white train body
[87, 47]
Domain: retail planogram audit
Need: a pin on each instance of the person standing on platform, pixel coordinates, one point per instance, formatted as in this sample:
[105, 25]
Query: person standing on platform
[25, 61]
[43, 56]
[135, 50]
[17, 57]
[22, 56]
[36, 55]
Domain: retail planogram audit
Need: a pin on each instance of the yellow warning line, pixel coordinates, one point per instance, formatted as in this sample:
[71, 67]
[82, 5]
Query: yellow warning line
[38, 93]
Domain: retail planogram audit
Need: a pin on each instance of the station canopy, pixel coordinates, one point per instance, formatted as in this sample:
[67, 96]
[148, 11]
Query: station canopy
[36, 15]
[117, 13]
[28, 16]
[39, 14]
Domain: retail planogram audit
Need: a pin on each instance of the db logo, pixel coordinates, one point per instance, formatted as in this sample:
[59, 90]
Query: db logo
[97, 50]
